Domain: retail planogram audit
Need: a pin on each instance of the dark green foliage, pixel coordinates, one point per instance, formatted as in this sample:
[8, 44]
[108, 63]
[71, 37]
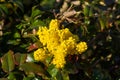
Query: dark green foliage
[95, 21]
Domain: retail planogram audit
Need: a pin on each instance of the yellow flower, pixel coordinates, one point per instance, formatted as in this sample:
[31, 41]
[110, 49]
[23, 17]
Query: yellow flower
[58, 43]
[81, 47]
[69, 45]
[43, 35]
[59, 60]
[64, 34]
[53, 41]
[40, 55]
[54, 24]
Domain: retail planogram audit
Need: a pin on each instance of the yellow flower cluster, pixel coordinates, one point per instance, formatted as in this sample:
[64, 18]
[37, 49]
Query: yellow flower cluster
[59, 43]
[40, 54]
[59, 59]
[81, 47]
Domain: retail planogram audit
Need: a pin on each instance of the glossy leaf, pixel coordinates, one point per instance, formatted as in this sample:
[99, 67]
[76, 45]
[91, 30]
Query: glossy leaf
[36, 24]
[35, 13]
[8, 62]
[20, 58]
[52, 70]
[32, 68]
[30, 58]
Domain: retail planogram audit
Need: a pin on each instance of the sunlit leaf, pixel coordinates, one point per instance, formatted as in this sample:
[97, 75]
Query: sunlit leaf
[8, 61]
[36, 24]
[16, 35]
[11, 76]
[35, 13]
[52, 70]
[86, 11]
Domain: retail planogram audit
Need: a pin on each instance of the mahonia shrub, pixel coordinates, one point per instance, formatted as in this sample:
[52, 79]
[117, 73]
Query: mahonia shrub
[58, 43]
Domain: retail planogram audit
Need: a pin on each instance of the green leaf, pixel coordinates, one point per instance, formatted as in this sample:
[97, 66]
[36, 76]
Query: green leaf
[35, 13]
[14, 42]
[19, 5]
[48, 59]
[47, 3]
[19, 26]
[17, 35]
[33, 68]
[52, 70]
[20, 58]
[37, 23]
[4, 8]
[102, 23]
[30, 58]
[11, 76]
[91, 12]
[8, 62]
[59, 76]
[86, 10]
[65, 75]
